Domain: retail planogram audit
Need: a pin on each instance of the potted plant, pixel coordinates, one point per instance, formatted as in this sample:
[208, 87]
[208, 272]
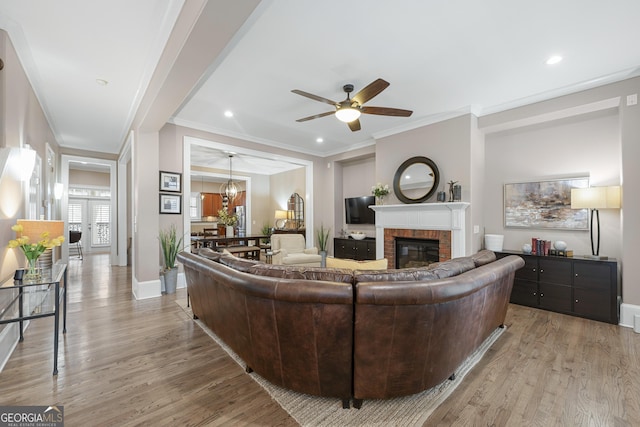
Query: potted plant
[323, 238]
[228, 220]
[171, 245]
[266, 231]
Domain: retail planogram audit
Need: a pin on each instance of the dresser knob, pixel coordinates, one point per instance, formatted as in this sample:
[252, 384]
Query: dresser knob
[541, 294]
[534, 270]
[576, 274]
[541, 271]
[576, 300]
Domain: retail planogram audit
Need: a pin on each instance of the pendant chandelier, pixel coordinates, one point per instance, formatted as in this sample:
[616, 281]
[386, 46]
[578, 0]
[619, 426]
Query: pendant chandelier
[228, 188]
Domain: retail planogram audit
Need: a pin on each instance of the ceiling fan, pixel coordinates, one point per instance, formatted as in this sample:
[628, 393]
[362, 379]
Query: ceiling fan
[349, 110]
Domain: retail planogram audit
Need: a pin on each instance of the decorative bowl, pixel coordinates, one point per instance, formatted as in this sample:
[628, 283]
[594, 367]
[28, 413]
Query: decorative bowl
[560, 245]
[358, 235]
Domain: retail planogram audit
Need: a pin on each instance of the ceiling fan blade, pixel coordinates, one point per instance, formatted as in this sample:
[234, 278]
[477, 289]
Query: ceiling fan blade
[316, 116]
[370, 91]
[383, 111]
[314, 97]
[354, 125]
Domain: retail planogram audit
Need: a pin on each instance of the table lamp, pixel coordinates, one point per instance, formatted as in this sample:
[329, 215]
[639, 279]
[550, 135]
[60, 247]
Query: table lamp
[595, 198]
[281, 217]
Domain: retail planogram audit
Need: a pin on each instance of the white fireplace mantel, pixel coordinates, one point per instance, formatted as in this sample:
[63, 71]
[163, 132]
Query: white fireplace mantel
[423, 216]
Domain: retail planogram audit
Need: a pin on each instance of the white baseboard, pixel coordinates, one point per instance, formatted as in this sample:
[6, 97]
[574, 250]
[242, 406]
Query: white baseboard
[147, 289]
[627, 313]
[8, 342]
[153, 288]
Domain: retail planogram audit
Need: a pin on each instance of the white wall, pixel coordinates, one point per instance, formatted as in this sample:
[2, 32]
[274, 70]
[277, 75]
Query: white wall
[447, 143]
[91, 178]
[586, 145]
[357, 178]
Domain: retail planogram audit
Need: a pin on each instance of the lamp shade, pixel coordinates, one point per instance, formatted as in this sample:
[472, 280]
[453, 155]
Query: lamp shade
[35, 228]
[595, 198]
[281, 214]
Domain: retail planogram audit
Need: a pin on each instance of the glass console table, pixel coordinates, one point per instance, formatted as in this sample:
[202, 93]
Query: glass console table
[22, 300]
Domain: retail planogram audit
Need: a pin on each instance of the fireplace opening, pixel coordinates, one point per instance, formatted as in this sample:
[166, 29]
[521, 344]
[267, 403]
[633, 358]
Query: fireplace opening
[416, 252]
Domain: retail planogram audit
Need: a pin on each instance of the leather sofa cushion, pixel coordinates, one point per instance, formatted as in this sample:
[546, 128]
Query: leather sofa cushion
[303, 273]
[239, 264]
[438, 270]
[210, 254]
[483, 257]
[378, 264]
[394, 275]
[452, 267]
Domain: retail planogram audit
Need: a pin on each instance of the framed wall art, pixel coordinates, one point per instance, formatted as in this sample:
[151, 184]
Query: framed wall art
[170, 203]
[544, 205]
[171, 181]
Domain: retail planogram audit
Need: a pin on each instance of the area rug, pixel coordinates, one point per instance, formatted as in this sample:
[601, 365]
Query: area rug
[318, 411]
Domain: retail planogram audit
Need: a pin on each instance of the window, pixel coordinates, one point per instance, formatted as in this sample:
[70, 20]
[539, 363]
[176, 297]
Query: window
[100, 230]
[194, 206]
[75, 216]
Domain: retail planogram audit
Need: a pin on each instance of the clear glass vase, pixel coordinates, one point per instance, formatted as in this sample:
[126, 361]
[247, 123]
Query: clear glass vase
[379, 200]
[32, 272]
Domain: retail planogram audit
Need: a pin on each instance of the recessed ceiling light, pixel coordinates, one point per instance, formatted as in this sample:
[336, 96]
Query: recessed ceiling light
[228, 113]
[318, 140]
[102, 82]
[553, 60]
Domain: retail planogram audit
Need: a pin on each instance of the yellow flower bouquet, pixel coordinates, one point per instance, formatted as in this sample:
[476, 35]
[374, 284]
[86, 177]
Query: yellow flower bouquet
[33, 250]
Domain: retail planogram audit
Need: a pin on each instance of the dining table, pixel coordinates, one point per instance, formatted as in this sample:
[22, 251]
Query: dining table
[247, 246]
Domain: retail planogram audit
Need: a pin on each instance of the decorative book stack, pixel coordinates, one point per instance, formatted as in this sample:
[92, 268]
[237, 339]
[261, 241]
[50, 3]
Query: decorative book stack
[543, 247]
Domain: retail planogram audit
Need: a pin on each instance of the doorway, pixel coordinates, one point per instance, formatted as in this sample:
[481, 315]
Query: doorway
[97, 219]
[93, 219]
[263, 161]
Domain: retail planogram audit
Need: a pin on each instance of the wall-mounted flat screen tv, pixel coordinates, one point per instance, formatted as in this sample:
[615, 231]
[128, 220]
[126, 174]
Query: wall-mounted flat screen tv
[357, 210]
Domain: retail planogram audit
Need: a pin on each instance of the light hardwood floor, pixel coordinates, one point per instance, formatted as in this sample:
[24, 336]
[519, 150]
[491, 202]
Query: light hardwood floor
[127, 362]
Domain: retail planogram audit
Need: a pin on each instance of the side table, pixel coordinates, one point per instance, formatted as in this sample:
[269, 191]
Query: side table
[23, 300]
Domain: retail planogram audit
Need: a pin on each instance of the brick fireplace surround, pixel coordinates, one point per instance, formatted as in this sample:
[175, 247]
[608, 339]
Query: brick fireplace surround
[442, 236]
[444, 222]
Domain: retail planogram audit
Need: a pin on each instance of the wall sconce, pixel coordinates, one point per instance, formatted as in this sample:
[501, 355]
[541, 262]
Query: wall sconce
[17, 162]
[595, 198]
[58, 190]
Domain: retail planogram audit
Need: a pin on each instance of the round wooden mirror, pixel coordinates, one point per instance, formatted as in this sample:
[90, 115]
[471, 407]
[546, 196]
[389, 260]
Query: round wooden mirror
[416, 180]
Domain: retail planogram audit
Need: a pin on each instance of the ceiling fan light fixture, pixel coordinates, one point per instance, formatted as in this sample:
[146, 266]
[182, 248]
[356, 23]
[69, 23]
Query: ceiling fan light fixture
[347, 114]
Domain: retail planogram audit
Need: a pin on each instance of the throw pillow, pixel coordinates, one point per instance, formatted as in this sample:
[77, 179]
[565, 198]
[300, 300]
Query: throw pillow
[378, 264]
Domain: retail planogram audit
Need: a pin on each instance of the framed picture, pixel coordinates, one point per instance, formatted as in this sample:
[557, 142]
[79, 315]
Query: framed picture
[170, 203]
[544, 205]
[171, 181]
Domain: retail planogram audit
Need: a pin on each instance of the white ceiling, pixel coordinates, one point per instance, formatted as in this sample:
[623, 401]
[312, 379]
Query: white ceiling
[442, 58]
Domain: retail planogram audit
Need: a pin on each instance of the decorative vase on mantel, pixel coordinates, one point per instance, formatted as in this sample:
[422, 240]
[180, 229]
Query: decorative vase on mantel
[229, 231]
[379, 200]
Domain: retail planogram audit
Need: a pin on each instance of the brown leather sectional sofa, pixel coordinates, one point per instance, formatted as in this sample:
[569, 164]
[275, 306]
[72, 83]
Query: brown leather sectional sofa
[351, 334]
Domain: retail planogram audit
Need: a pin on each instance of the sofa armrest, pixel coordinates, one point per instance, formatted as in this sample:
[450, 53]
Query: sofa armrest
[277, 256]
[311, 251]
